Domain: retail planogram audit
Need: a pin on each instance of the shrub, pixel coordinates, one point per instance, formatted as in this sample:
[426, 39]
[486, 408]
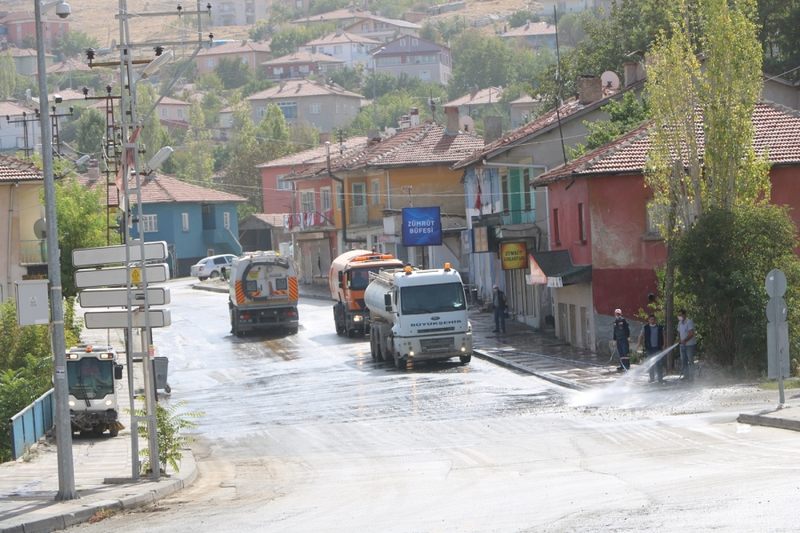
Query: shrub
[170, 423]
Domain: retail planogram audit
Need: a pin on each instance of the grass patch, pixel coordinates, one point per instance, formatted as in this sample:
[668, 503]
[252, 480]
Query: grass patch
[788, 383]
[102, 514]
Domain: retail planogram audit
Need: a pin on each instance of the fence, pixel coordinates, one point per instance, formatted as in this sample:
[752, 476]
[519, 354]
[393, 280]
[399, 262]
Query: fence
[30, 424]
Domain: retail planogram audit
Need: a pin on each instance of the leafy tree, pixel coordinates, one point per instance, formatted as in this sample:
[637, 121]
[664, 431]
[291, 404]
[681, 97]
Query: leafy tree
[194, 163]
[209, 81]
[288, 38]
[241, 175]
[233, 73]
[778, 22]
[521, 17]
[81, 224]
[723, 260]
[273, 133]
[154, 136]
[261, 30]
[74, 43]
[8, 75]
[443, 30]
[349, 78]
[624, 115]
[211, 105]
[302, 136]
[90, 128]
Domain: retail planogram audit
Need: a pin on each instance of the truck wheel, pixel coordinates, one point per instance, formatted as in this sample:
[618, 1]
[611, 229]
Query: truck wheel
[113, 431]
[351, 333]
[465, 359]
[399, 362]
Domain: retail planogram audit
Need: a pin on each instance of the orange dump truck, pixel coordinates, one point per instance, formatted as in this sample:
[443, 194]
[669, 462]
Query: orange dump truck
[348, 278]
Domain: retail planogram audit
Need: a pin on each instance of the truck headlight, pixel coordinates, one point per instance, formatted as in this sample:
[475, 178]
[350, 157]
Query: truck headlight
[411, 353]
[72, 403]
[358, 318]
[463, 348]
[109, 402]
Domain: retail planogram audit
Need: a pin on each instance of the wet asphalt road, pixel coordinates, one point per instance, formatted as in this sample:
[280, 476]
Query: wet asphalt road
[306, 433]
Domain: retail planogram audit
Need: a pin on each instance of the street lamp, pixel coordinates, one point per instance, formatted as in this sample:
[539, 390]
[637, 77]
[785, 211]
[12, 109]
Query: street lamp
[66, 473]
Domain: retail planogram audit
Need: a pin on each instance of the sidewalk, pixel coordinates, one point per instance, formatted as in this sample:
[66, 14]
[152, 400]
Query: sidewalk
[102, 468]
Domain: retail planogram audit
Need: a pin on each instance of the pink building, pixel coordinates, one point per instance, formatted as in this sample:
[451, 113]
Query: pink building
[20, 25]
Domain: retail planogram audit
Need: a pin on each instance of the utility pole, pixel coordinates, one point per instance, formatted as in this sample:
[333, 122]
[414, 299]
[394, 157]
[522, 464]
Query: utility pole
[66, 472]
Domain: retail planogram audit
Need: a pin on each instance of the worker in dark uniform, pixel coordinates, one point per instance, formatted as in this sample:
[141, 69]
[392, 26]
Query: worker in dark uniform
[621, 333]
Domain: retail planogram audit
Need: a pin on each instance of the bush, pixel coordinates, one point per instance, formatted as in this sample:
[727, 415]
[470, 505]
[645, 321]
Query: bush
[170, 423]
[722, 263]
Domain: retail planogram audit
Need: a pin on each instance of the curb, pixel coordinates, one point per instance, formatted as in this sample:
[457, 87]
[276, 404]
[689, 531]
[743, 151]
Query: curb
[63, 520]
[768, 421]
[501, 361]
[209, 288]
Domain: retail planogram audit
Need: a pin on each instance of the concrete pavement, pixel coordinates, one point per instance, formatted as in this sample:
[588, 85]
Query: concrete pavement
[103, 466]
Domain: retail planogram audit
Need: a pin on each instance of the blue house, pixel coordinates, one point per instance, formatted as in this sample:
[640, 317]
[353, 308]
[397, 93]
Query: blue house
[195, 221]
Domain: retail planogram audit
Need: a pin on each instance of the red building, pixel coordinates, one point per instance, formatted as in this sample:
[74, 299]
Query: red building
[20, 25]
[598, 213]
[307, 205]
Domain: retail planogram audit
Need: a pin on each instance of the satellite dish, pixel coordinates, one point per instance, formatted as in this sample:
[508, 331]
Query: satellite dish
[610, 80]
[466, 123]
[40, 229]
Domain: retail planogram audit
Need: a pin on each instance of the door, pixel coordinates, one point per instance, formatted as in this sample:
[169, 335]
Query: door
[573, 337]
[359, 214]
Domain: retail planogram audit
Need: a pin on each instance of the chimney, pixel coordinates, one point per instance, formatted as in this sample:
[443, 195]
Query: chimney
[634, 71]
[492, 128]
[93, 169]
[590, 89]
[413, 116]
[403, 122]
[452, 120]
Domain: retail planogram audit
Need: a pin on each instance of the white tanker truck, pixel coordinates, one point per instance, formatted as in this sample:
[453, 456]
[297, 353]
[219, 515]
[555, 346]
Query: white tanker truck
[418, 315]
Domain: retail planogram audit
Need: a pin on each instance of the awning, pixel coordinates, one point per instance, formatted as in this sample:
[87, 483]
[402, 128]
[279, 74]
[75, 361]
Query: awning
[555, 269]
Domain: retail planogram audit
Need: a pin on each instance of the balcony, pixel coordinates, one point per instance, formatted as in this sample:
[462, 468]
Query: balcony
[309, 221]
[33, 252]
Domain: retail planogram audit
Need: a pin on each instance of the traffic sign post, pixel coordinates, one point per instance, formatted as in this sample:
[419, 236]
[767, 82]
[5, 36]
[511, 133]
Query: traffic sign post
[118, 277]
[778, 366]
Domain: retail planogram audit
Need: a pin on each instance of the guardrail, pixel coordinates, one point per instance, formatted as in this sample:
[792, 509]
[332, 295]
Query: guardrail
[31, 424]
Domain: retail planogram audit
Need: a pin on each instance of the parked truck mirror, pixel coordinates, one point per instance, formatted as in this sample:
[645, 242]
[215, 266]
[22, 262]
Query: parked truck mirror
[117, 371]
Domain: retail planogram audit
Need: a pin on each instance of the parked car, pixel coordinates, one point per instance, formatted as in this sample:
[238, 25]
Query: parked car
[212, 266]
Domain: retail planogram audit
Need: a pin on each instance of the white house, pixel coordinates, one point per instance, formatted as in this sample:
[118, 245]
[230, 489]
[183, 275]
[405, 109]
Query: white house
[351, 48]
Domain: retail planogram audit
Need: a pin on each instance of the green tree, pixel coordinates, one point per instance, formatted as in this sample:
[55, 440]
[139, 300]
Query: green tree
[288, 38]
[241, 175]
[90, 128]
[233, 73]
[273, 134]
[154, 136]
[211, 105]
[8, 75]
[195, 162]
[479, 61]
[81, 224]
[302, 136]
[209, 81]
[521, 17]
[74, 43]
[624, 115]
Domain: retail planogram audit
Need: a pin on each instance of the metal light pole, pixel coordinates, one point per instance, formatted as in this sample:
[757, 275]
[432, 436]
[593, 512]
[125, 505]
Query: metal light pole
[66, 474]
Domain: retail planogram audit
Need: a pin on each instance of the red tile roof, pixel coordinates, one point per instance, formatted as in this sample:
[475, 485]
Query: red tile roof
[235, 47]
[314, 155]
[301, 57]
[423, 145]
[13, 170]
[777, 136]
[571, 109]
[301, 88]
[161, 188]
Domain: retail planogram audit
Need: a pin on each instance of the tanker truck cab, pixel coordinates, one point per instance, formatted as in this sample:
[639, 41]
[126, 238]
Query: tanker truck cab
[419, 315]
[92, 373]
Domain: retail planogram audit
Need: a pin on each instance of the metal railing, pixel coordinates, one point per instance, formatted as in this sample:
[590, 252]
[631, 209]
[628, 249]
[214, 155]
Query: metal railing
[31, 424]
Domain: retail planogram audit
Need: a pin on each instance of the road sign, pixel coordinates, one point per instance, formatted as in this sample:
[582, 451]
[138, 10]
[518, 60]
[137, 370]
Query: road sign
[159, 318]
[118, 276]
[119, 297]
[109, 255]
[775, 284]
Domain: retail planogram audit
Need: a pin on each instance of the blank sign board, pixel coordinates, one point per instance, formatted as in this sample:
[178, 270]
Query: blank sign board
[110, 255]
[159, 318]
[118, 276]
[119, 297]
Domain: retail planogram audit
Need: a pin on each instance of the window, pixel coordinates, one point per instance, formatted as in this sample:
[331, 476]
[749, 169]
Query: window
[375, 191]
[226, 220]
[325, 198]
[289, 109]
[339, 196]
[425, 75]
[314, 109]
[504, 188]
[656, 218]
[581, 224]
[556, 231]
[359, 191]
[307, 201]
[337, 49]
[149, 223]
[282, 184]
[185, 221]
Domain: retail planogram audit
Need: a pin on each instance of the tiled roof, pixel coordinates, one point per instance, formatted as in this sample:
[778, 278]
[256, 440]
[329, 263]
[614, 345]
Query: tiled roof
[302, 56]
[351, 13]
[531, 28]
[314, 155]
[13, 170]
[166, 100]
[776, 135]
[408, 44]
[235, 47]
[161, 188]
[273, 219]
[570, 110]
[342, 37]
[22, 52]
[300, 88]
[11, 108]
[426, 144]
[489, 95]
